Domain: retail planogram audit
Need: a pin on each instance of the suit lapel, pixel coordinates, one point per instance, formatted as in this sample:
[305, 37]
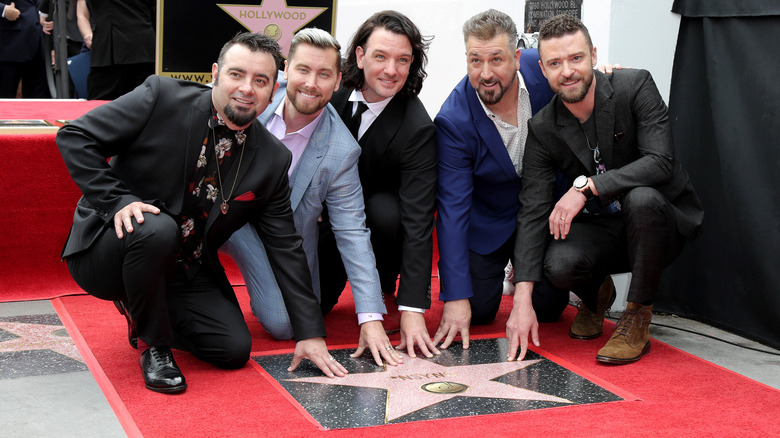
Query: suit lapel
[310, 160]
[605, 122]
[198, 117]
[572, 134]
[488, 132]
[377, 138]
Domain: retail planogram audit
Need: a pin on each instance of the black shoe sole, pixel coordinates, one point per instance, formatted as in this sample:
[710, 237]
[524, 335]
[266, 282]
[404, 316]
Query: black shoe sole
[584, 338]
[616, 361]
[167, 389]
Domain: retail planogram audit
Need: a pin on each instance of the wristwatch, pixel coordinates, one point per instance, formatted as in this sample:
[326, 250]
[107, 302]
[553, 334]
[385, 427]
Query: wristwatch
[581, 185]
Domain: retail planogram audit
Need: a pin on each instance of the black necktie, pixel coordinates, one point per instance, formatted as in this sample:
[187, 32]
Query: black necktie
[354, 122]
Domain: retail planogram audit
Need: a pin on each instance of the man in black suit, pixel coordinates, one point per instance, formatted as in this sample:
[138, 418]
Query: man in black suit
[189, 166]
[21, 50]
[121, 45]
[382, 76]
[631, 206]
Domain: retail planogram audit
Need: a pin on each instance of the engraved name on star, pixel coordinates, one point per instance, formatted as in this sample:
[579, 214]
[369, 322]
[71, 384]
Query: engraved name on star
[420, 383]
[273, 18]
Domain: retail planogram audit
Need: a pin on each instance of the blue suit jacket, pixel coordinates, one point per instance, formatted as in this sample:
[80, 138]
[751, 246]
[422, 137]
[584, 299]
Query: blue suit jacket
[327, 173]
[478, 185]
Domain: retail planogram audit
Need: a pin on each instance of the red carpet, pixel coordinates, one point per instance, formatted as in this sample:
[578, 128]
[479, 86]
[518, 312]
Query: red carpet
[679, 394]
[39, 199]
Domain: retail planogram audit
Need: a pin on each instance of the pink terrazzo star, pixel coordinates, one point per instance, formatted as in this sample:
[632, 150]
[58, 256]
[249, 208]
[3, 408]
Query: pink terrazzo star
[38, 337]
[409, 386]
[273, 18]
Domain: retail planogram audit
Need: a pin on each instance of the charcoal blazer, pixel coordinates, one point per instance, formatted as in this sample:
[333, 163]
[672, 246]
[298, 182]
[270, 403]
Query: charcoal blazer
[635, 140]
[477, 180]
[153, 136]
[399, 157]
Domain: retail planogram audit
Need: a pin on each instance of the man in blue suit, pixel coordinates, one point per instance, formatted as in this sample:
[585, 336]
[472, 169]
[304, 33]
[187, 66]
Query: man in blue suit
[323, 172]
[481, 133]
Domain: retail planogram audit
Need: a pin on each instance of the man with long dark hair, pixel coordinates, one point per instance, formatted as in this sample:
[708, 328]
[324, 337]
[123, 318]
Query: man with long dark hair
[382, 76]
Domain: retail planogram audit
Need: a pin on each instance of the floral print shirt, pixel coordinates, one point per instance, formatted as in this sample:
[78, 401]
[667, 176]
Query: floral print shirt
[220, 148]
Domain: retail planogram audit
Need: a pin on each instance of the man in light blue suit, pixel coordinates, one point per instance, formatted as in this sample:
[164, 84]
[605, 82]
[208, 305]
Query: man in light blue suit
[323, 173]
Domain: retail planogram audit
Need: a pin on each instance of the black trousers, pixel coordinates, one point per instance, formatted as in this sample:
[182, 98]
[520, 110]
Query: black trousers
[383, 218]
[643, 239]
[32, 73]
[487, 282]
[168, 307]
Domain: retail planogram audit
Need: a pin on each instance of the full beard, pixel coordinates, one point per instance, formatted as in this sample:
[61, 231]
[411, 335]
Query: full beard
[494, 96]
[300, 107]
[575, 96]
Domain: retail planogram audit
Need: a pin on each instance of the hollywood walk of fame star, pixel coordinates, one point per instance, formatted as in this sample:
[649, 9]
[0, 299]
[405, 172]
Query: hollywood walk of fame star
[420, 383]
[38, 337]
[273, 18]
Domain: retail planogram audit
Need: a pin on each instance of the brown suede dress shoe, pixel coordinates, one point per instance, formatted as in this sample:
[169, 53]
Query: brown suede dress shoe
[587, 324]
[631, 339]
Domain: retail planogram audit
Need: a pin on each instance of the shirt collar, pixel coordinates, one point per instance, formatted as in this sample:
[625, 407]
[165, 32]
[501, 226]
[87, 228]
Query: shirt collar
[375, 107]
[307, 130]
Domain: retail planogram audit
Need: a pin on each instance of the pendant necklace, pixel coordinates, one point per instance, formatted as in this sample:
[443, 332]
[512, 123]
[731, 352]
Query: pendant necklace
[224, 206]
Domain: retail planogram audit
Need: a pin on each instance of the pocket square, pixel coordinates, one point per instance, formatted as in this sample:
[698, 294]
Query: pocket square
[248, 196]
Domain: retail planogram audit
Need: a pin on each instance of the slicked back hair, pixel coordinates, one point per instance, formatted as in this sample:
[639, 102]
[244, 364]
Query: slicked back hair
[490, 24]
[398, 23]
[317, 38]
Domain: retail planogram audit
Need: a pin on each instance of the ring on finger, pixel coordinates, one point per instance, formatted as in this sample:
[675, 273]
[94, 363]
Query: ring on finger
[389, 347]
[563, 218]
[331, 359]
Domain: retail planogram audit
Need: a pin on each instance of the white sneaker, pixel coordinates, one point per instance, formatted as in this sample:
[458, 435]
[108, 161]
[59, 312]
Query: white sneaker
[509, 274]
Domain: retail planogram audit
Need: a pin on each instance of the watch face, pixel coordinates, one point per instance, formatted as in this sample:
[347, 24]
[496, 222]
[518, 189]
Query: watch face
[580, 182]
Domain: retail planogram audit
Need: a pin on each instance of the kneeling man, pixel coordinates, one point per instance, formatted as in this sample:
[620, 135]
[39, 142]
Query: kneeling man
[323, 173]
[631, 206]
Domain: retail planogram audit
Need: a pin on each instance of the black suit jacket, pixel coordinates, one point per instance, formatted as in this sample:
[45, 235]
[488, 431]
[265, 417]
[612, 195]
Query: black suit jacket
[123, 32]
[154, 135]
[399, 156]
[20, 39]
[635, 140]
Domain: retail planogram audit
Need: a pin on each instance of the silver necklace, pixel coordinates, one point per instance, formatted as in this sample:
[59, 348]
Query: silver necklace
[224, 206]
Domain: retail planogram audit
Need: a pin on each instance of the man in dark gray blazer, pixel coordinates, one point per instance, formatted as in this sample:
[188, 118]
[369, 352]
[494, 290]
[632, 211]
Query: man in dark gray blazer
[631, 206]
[189, 165]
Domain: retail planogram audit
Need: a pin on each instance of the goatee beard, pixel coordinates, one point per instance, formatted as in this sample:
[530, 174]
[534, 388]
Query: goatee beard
[239, 118]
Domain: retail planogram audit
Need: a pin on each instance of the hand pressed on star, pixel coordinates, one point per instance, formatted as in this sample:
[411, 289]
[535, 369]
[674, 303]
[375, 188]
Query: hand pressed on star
[373, 337]
[316, 351]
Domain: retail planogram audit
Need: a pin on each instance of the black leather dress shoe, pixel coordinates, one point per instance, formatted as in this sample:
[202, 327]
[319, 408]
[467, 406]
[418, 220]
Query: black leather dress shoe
[161, 374]
[132, 337]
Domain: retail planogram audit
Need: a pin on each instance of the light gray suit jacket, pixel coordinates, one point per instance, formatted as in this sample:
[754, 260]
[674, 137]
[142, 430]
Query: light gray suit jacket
[327, 173]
